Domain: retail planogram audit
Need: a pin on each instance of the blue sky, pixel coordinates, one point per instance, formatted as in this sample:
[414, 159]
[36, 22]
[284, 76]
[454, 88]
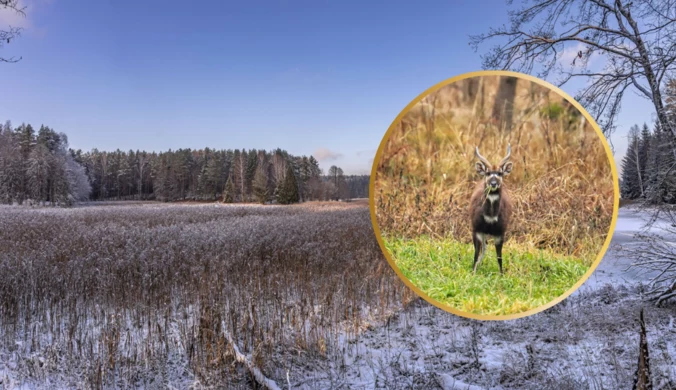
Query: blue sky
[312, 77]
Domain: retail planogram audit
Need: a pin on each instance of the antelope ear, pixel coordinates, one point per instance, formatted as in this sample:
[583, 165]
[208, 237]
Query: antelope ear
[480, 168]
[507, 168]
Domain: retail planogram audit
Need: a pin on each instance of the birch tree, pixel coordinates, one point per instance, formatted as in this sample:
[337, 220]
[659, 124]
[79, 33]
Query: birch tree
[636, 40]
[260, 184]
[141, 165]
[78, 183]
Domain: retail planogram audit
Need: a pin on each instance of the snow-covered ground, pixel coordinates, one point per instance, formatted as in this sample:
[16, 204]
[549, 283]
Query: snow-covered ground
[615, 268]
[142, 295]
[590, 341]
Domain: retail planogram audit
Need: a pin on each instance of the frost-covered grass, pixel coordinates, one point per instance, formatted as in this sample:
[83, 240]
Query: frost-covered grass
[588, 342]
[145, 295]
[142, 296]
[442, 269]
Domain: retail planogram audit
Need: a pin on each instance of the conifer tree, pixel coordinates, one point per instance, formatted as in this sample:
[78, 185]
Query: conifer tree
[229, 191]
[631, 174]
[38, 173]
[652, 184]
[11, 165]
[288, 191]
[260, 184]
[643, 149]
[40, 166]
[662, 170]
[251, 168]
[214, 173]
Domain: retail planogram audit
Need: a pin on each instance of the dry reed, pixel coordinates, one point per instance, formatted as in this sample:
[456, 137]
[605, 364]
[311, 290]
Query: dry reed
[128, 295]
[561, 185]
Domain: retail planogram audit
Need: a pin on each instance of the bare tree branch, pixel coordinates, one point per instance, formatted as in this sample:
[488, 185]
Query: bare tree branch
[636, 41]
[7, 36]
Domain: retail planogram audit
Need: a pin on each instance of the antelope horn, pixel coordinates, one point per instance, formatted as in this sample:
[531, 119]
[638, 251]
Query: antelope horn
[509, 152]
[482, 158]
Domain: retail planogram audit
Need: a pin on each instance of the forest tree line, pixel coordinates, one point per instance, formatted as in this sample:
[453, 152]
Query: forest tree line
[649, 166]
[39, 166]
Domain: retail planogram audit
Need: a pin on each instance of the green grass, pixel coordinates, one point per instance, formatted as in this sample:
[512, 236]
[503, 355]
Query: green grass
[442, 269]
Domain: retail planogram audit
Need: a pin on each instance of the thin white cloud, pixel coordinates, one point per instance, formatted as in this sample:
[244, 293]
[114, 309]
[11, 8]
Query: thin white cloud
[357, 168]
[323, 154]
[26, 21]
[571, 54]
[366, 152]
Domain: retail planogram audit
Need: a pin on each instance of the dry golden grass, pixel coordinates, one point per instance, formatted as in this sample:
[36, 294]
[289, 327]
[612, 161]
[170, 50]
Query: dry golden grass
[561, 185]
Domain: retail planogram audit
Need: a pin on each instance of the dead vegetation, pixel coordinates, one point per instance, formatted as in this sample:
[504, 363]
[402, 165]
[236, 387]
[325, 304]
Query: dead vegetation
[169, 296]
[562, 183]
[588, 342]
[174, 295]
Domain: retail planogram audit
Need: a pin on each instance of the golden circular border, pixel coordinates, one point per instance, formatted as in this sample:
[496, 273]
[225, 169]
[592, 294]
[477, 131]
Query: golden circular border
[447, 307]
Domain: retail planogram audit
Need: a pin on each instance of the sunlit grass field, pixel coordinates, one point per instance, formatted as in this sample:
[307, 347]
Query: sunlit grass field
[442, 269]
[561, 186]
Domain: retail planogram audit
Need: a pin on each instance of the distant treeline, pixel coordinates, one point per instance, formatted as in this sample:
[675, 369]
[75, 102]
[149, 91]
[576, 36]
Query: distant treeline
[648, 167]
[184, 174]
[209, 174]
[358, 185]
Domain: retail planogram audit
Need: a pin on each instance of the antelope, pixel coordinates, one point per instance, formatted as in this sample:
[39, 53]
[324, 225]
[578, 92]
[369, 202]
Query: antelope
[490, 207]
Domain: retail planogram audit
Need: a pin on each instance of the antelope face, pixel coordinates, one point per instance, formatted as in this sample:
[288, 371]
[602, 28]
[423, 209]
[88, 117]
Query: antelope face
[493, 174]
[493, 178]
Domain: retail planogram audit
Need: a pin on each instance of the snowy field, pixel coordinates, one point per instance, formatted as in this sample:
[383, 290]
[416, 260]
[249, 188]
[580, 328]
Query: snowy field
[590, 341]
[615, 266]
[148, 295]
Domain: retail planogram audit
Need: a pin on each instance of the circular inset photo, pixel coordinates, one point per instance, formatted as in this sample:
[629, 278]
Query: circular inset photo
[494, 195]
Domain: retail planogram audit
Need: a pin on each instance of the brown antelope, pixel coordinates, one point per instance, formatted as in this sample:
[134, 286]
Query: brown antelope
[490, 207]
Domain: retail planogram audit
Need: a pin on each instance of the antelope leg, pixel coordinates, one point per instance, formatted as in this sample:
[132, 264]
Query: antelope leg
[498, 251]
[479, 249]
